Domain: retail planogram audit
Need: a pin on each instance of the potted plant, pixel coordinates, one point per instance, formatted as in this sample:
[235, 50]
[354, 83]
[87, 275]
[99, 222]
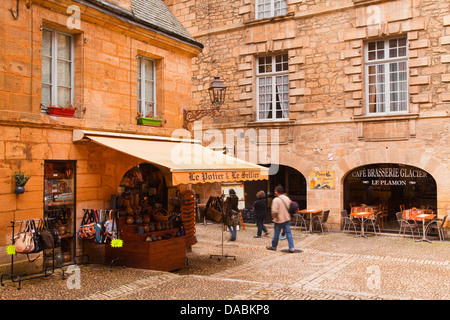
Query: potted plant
[67, 111]
[148, 121]
[21, 179]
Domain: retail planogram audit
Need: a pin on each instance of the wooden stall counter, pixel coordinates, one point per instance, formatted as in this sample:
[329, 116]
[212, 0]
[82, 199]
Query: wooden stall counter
[166, 254]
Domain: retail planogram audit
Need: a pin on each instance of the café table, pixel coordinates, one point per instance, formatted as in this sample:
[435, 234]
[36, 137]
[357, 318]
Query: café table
[310, 212]
[362, 215]
[422, 217]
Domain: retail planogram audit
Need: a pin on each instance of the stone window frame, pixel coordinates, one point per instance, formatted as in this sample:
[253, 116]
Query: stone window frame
[272, 74]
[272, 8]
[387, 82]
[53, 70]
[140, 73]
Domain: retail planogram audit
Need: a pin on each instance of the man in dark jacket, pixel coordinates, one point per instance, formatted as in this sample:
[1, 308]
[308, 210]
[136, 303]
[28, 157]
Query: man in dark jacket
[259, 208]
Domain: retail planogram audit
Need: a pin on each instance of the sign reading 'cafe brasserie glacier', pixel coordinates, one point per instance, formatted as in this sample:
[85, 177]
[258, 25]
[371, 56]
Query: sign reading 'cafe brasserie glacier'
[389, 176]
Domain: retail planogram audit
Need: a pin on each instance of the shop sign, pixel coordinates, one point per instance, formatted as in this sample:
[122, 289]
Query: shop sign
[217, 176]
[322, 179]
[386, 176]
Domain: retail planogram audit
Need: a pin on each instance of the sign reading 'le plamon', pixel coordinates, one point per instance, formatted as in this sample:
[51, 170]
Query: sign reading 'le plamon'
[389, 175]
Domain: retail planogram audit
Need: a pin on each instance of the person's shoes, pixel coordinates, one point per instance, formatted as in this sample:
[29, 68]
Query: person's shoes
[282, 237]
[271, 248]
[291, 250]
[257, 237]
[266, 234]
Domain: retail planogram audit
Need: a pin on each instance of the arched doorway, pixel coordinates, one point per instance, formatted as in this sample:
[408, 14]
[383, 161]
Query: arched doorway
[390, 184]
[292, 181]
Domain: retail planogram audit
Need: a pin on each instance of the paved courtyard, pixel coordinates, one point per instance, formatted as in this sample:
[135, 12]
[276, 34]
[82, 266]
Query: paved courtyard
[333, 266]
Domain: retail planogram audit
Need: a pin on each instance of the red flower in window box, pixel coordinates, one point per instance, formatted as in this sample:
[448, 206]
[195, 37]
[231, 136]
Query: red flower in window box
[68, 111]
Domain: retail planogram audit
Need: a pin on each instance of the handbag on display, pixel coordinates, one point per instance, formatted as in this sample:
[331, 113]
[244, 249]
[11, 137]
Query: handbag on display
[100, 234]
[37, 238]
[87, 227]
[46, 236]
[23, 241]
[55, 234]
[111, 226]
[213, 209]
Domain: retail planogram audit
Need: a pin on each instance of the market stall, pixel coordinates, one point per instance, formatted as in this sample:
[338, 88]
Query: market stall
[157, 208]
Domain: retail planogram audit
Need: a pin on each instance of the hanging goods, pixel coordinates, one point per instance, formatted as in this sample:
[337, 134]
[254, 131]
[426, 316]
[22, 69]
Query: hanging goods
[46, 236]
[111, 226]
[176, 200]
[100, 228]
[87, 228]
[37, 238]
[23, 241]
[55, 234]
[213, 209]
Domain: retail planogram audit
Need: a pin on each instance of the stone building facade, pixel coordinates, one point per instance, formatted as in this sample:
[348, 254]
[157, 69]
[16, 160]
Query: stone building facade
[104, 42]
[367, 83]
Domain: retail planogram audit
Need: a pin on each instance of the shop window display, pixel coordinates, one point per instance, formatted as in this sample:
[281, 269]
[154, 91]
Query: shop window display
[59, 205]
[153, 232]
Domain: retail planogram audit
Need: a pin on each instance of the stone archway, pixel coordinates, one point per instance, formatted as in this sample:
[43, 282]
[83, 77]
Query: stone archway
[410, 157]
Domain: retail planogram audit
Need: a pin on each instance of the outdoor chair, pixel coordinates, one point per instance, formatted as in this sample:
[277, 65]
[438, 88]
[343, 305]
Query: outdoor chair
[438, 225]
[404, 224]
[374, 223]
[300, 220]
[347, 222]
[321, 220]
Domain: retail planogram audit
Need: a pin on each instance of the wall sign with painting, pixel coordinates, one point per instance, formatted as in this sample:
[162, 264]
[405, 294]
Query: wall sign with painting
[322, 180]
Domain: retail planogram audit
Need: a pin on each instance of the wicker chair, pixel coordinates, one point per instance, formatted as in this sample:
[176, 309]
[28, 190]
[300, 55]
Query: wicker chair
[321, 220]
[300, 220]
[439, 227]
[374, 223]
[347, 222]
[404, 224]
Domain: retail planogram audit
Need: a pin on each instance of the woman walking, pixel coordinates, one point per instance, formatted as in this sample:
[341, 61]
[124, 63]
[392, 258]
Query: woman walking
[259, 208]
[231, 215]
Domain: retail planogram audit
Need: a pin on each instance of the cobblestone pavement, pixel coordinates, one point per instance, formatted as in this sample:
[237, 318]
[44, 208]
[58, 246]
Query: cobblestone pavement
[333, 266]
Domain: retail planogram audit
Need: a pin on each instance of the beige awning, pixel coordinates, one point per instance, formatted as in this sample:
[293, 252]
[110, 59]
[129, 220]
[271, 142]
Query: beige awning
[187, 160]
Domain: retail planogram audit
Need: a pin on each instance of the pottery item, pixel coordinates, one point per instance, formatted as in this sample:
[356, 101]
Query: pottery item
[138, 220]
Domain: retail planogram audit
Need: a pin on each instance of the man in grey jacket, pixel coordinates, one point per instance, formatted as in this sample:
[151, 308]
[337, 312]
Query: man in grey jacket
[281, 219]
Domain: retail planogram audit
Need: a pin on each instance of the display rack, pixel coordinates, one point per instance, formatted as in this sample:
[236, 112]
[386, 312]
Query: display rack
[115, 257]
[16, 278]
[223, 255]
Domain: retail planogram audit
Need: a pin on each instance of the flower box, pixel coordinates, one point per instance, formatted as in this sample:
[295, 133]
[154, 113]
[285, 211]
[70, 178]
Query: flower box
[59, 111]
[149, 121]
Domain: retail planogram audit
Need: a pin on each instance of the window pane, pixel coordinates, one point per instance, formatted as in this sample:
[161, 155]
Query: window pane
[148, 69]
[64, 47]
[46, 94]
[46, 43]
[64, 74]
[149, 91]
[46, 70]
[63, 96]
[138, 87]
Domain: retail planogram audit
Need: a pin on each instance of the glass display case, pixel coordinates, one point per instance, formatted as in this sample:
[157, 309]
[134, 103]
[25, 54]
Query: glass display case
[59, 204]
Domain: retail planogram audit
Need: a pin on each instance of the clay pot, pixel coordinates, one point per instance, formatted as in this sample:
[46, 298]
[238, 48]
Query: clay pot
[138, 220]
[158, 226]
[146, 218]
[146, 228]
[130, 220]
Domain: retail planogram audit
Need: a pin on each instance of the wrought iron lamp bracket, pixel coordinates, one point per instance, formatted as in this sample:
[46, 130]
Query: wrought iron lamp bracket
[194, 115]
